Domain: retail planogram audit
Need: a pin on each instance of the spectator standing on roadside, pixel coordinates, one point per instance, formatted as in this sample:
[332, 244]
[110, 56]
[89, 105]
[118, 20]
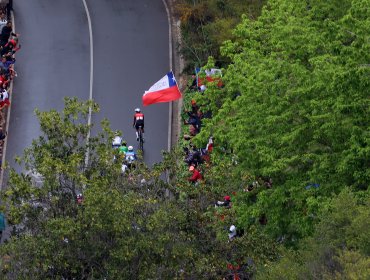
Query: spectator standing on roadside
[11, 47]
[9, 7]
[194, 107]
[6, 32]
[4, 98]
[209, 146]
[196, 176]
[3, 135]
[232, 232]
[226, 203]
[4, 80]
[5, 64]
[3, 19]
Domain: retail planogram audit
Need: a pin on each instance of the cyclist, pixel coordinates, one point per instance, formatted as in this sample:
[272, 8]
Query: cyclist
[130, 155]
[123, 148]
[138, 121]
[117, 141]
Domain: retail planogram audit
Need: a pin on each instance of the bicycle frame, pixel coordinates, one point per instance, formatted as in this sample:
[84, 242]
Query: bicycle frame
[141, 140]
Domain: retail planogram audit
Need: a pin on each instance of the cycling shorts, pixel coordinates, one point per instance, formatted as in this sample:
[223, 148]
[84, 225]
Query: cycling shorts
[139, 123]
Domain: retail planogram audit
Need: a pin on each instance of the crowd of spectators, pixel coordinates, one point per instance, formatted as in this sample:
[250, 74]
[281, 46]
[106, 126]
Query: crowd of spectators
[195, 158]
[9, 45]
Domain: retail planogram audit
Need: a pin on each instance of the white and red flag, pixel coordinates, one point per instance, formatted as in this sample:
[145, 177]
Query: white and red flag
[165, 90]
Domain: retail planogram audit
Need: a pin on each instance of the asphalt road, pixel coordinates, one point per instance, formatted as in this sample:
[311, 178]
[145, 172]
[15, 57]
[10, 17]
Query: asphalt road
[130, 54]
[52, 63]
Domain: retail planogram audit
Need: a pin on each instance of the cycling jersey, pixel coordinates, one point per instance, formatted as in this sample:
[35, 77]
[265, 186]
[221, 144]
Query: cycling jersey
[139, 120]
[130, 156]
[139, 116]
[117, 141]
[123, 149]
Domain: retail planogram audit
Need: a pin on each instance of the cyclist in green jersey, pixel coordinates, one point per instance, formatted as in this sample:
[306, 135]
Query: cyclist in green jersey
[123, 148]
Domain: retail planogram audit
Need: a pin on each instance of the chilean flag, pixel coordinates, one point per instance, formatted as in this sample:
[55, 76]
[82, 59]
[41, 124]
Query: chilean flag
[164, 90]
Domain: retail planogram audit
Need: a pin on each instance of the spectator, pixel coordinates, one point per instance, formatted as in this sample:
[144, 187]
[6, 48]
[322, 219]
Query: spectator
[194, 107]
[226, 203]
[3, 19]
[232, 232]
[209, 146]
[193, 118]
[268, 182]
[4, 81]
[6, 32]
[192, 130]
[249, 188]
[194, 157]
[202, 88]
[80, 199]
[9, 7]
[196, 176]
[4, 99]
[11, 47]
[5, 64]
[193, 85]
[186, 152]
[3, 135]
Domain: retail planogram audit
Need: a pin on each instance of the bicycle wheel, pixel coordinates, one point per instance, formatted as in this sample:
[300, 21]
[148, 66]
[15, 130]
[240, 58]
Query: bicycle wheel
[141, 140]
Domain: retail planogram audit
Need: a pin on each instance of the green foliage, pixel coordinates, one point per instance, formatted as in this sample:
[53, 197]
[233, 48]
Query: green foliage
[206, 24]
[338, 249]
[126, 228]
[294, 108]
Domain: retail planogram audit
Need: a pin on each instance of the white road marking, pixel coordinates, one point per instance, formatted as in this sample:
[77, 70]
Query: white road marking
[170, 55]
[91, 76]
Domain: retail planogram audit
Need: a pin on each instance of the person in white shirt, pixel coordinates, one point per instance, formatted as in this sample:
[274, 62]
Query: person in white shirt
[4, 98]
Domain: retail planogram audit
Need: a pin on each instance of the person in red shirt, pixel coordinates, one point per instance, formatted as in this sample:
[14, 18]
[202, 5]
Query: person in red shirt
[196, 176]
[4, 81]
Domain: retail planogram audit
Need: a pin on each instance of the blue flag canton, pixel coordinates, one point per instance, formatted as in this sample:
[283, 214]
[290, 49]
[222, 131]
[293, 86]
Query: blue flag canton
[171, 79]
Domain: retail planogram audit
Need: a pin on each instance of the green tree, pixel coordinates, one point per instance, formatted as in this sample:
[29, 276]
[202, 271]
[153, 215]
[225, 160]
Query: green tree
[338, 249]
[205, 24]
[294, 108]
[126, 228]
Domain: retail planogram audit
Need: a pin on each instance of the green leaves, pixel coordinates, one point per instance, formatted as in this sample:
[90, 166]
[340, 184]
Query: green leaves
[301, 115]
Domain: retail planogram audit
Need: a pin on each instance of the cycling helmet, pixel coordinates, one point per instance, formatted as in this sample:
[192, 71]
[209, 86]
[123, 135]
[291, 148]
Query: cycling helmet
[130, 148]
[137, 110]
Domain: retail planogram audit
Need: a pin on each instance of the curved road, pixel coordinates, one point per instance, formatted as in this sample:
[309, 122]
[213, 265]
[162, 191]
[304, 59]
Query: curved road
[130, 54]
